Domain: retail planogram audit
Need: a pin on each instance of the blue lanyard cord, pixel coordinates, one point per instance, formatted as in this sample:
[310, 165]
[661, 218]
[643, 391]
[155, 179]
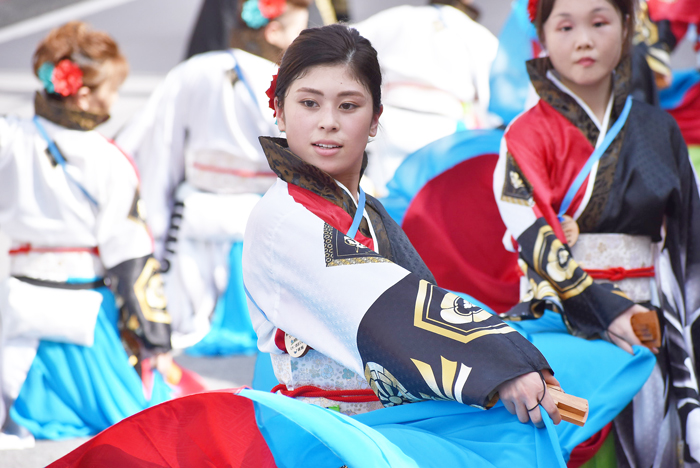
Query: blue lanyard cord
[595, 157]
[358, 216]
[241, 77]
[53, 149]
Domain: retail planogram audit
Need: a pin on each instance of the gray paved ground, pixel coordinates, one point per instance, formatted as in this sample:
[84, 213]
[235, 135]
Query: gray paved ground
[152, 34]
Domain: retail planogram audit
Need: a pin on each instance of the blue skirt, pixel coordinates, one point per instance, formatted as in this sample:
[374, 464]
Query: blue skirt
[231, 330]
[437, 433]
[74, 391]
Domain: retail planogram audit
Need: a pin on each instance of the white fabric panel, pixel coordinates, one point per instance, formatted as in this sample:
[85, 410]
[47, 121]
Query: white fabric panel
[285, 271]
[196, 113]
[30, 311]
[39, 205]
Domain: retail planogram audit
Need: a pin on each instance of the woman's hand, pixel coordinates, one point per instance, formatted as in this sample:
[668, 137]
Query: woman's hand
[522, 394]
[620, 331]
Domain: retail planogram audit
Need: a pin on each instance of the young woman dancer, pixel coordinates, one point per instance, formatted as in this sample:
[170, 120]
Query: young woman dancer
[203, 170]
[351, 314]
[598, 192]
[70, 205]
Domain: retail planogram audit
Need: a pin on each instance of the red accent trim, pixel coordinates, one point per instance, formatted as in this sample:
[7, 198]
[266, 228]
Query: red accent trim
[586, 450]
[550, 151]
[327, 211]
[237, 172]
[279, 340]
[309, 391]
[206, 429]
[27, 248]
[619, 273]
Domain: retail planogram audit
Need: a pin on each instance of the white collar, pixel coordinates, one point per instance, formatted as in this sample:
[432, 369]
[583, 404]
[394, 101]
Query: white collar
[602, 127]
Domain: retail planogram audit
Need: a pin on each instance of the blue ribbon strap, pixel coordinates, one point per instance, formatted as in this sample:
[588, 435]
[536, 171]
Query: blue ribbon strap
[53, 149]
[595, 157]
[358, 215]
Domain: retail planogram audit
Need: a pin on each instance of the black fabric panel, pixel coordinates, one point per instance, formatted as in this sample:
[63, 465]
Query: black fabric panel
[126, 278]
[647, 182]
[589, 308]
[392, 334]
[402, 251]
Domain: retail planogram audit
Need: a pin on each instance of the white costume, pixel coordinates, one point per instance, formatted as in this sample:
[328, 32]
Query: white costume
[69, 202]
[202, 172]
[56, 234]
[435, 64]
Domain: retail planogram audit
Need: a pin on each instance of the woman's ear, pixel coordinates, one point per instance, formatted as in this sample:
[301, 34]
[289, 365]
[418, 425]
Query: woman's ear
[274, 34]
[280, 115]
[374, 125]
[81, 99]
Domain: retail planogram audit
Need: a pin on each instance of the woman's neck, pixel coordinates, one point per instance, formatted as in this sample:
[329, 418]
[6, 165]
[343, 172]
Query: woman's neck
[352, 184]
[596, 96]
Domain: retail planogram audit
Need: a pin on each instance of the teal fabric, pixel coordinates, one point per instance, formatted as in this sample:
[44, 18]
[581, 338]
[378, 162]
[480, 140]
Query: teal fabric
[231, 330]
[264, 377]
[596, 370]
[74, 390]
[427, 434]
[439, 434]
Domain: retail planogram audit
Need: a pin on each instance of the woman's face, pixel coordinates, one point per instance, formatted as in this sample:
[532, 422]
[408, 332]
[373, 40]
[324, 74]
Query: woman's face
[328, 118]
[584, 41]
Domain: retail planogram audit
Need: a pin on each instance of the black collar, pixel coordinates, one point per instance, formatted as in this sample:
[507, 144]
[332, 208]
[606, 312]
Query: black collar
[56, 112]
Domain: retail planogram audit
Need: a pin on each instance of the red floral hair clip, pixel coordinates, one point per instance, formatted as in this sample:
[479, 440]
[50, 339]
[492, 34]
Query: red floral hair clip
[271, 9]
[64, 78]
[271, 94]
[532, 10]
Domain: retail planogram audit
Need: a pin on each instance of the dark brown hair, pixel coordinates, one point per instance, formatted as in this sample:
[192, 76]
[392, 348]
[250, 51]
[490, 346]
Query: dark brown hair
[95, 52]
[334, 44]
[253, 40]
[626, 8]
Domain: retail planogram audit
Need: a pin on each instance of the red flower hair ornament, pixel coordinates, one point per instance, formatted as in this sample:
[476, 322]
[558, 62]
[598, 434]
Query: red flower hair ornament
[64, 78]
[271, 9]
[532, 10]
[271, 94]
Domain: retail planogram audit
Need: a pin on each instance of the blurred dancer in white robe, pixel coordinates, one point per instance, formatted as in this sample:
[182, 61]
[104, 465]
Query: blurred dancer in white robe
[435, 62]
[202, 169]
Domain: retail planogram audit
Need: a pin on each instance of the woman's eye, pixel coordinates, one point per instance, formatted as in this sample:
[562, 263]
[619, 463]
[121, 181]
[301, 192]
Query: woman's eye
[599, 24]
[347, 106]
[308, 103]
[565, 28]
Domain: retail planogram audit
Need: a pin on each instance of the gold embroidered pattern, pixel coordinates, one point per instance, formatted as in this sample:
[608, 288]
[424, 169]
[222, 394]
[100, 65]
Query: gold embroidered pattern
[516, 188]
[553, 261]
[454, 317]
[387, 388]
[149, 292]
[339, 249]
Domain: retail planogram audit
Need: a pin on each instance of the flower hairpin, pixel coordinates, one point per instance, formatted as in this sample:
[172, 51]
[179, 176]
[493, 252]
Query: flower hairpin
[532, 10]
[257, 13]
[64, 78]
[271, 94]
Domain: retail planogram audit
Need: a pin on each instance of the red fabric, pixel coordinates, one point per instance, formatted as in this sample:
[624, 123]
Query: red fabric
[232, 171]
[687, 114]
[204, 430]
[309, 391]
[619, 273]
[27, 248]
[189, 384]
[459, 236]
[586, 450]
[550, 151]
[328, 211]
[685, 11]
[279, 340]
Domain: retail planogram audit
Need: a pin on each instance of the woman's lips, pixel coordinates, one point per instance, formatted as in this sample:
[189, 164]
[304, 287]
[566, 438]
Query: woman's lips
[326, 148]
[586, 62]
